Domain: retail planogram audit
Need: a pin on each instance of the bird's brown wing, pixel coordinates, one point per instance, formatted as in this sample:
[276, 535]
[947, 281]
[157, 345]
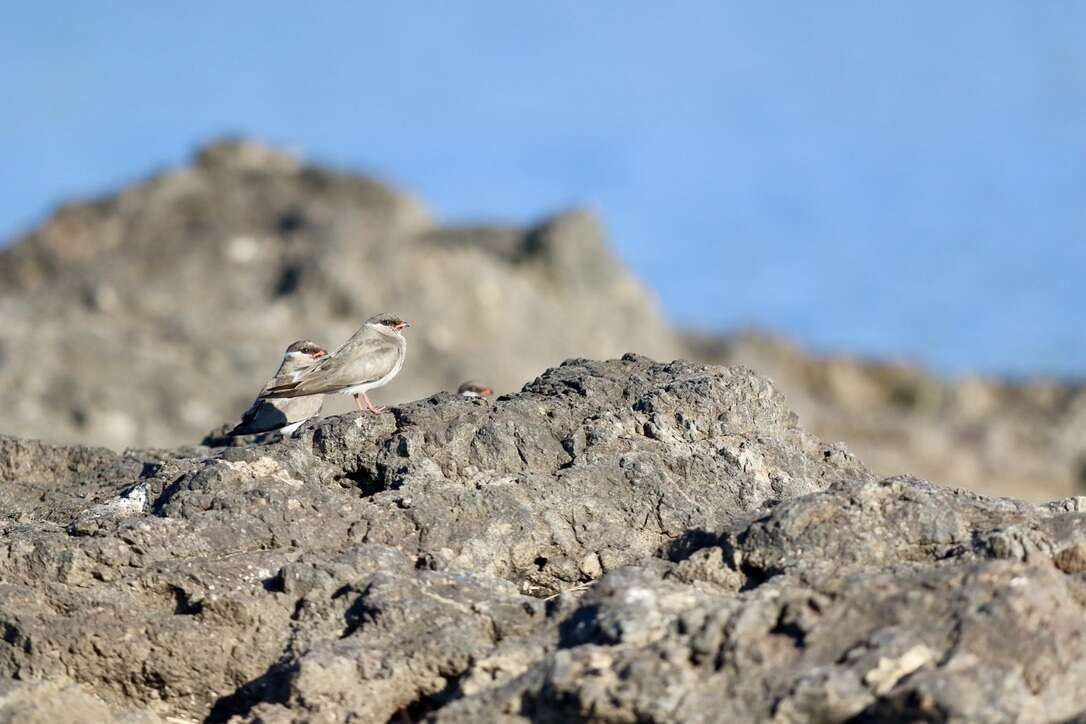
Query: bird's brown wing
[367, 359]
[281, 378]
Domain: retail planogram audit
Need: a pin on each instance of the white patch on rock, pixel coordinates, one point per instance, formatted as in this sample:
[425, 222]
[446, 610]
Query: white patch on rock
[132, 502]
[242, 249]
[264, 467]
[885, 676]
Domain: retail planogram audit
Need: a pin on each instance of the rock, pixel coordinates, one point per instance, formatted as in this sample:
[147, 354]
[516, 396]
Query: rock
[40, 702]
[131, 502]
[918, 617]
[379, 562]
[154, 315]
[1006, 437]
[1071, 559]
[619, 541]
[889, 672]
[32, 472]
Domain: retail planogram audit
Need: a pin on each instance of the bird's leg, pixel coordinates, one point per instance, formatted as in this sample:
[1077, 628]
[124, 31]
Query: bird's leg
[358, 403]
[369, 404]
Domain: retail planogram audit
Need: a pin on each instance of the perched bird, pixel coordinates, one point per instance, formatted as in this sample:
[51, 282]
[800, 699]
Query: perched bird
[474, 389]
[369, 359]
[266, 415]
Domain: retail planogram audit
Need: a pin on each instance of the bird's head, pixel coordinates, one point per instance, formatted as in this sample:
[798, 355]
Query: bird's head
[474, 389]
[387, 323]
[304, 348]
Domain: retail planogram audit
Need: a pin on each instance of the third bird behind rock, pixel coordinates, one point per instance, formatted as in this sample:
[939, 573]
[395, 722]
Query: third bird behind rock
[474, 389]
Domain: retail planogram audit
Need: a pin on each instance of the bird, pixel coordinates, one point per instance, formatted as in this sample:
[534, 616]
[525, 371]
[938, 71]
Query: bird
[285, 415]
[369, 359]
[474, 389]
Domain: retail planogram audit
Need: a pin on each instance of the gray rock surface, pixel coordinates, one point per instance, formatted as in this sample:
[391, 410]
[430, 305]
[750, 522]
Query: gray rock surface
[369, 564]
[620, 541]
[1025, 438]
[890, 601]
[39, 702]
[153, 316]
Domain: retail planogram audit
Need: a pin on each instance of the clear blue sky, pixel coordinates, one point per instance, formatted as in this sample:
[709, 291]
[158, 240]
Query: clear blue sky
[905, 179]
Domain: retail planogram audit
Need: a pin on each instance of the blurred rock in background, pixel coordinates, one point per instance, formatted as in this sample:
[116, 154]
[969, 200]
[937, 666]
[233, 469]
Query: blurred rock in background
[153, 316]
[150, 317]
[1023, 439]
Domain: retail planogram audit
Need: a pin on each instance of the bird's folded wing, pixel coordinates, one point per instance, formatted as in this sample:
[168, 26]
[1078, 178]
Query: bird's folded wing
[279, 381]
[262, 416]
[366, 361]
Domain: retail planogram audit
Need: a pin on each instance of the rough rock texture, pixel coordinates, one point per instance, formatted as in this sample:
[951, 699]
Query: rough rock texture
[153, 316]
[367, 564]
[1023, 438]
[891, 601]
[621, 541]
[39, 702]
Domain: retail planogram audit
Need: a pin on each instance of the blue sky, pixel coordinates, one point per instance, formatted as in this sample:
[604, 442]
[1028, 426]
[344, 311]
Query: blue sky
[900, 179]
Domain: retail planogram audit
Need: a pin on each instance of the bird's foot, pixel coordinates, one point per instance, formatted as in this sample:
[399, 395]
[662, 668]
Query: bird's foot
[374, 410]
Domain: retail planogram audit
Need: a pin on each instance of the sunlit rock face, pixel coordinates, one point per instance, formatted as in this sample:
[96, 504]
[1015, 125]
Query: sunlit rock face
[155, 315]
[619, 541]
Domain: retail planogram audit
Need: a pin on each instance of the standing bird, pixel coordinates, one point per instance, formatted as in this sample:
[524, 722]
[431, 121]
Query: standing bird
[369, 359]
[266, 415]
[474, 389]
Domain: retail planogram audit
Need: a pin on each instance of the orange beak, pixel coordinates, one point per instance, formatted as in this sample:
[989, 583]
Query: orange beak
[486, 392]
[319, 353]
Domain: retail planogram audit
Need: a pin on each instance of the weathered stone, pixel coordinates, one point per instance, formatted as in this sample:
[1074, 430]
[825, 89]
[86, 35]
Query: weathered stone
[621, 541]
[152, 316]
[898, 610]
[372, 562]
[155, 315]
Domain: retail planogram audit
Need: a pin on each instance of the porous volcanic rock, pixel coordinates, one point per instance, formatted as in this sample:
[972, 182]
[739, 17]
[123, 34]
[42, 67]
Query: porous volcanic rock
[374, 562]
[620, 541]
[888, 601]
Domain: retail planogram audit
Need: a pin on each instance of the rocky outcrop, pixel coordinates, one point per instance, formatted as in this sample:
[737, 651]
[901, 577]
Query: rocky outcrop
[153, 316]
[373, 558]
[620, 541]
[1025, 438]
[891, 601]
